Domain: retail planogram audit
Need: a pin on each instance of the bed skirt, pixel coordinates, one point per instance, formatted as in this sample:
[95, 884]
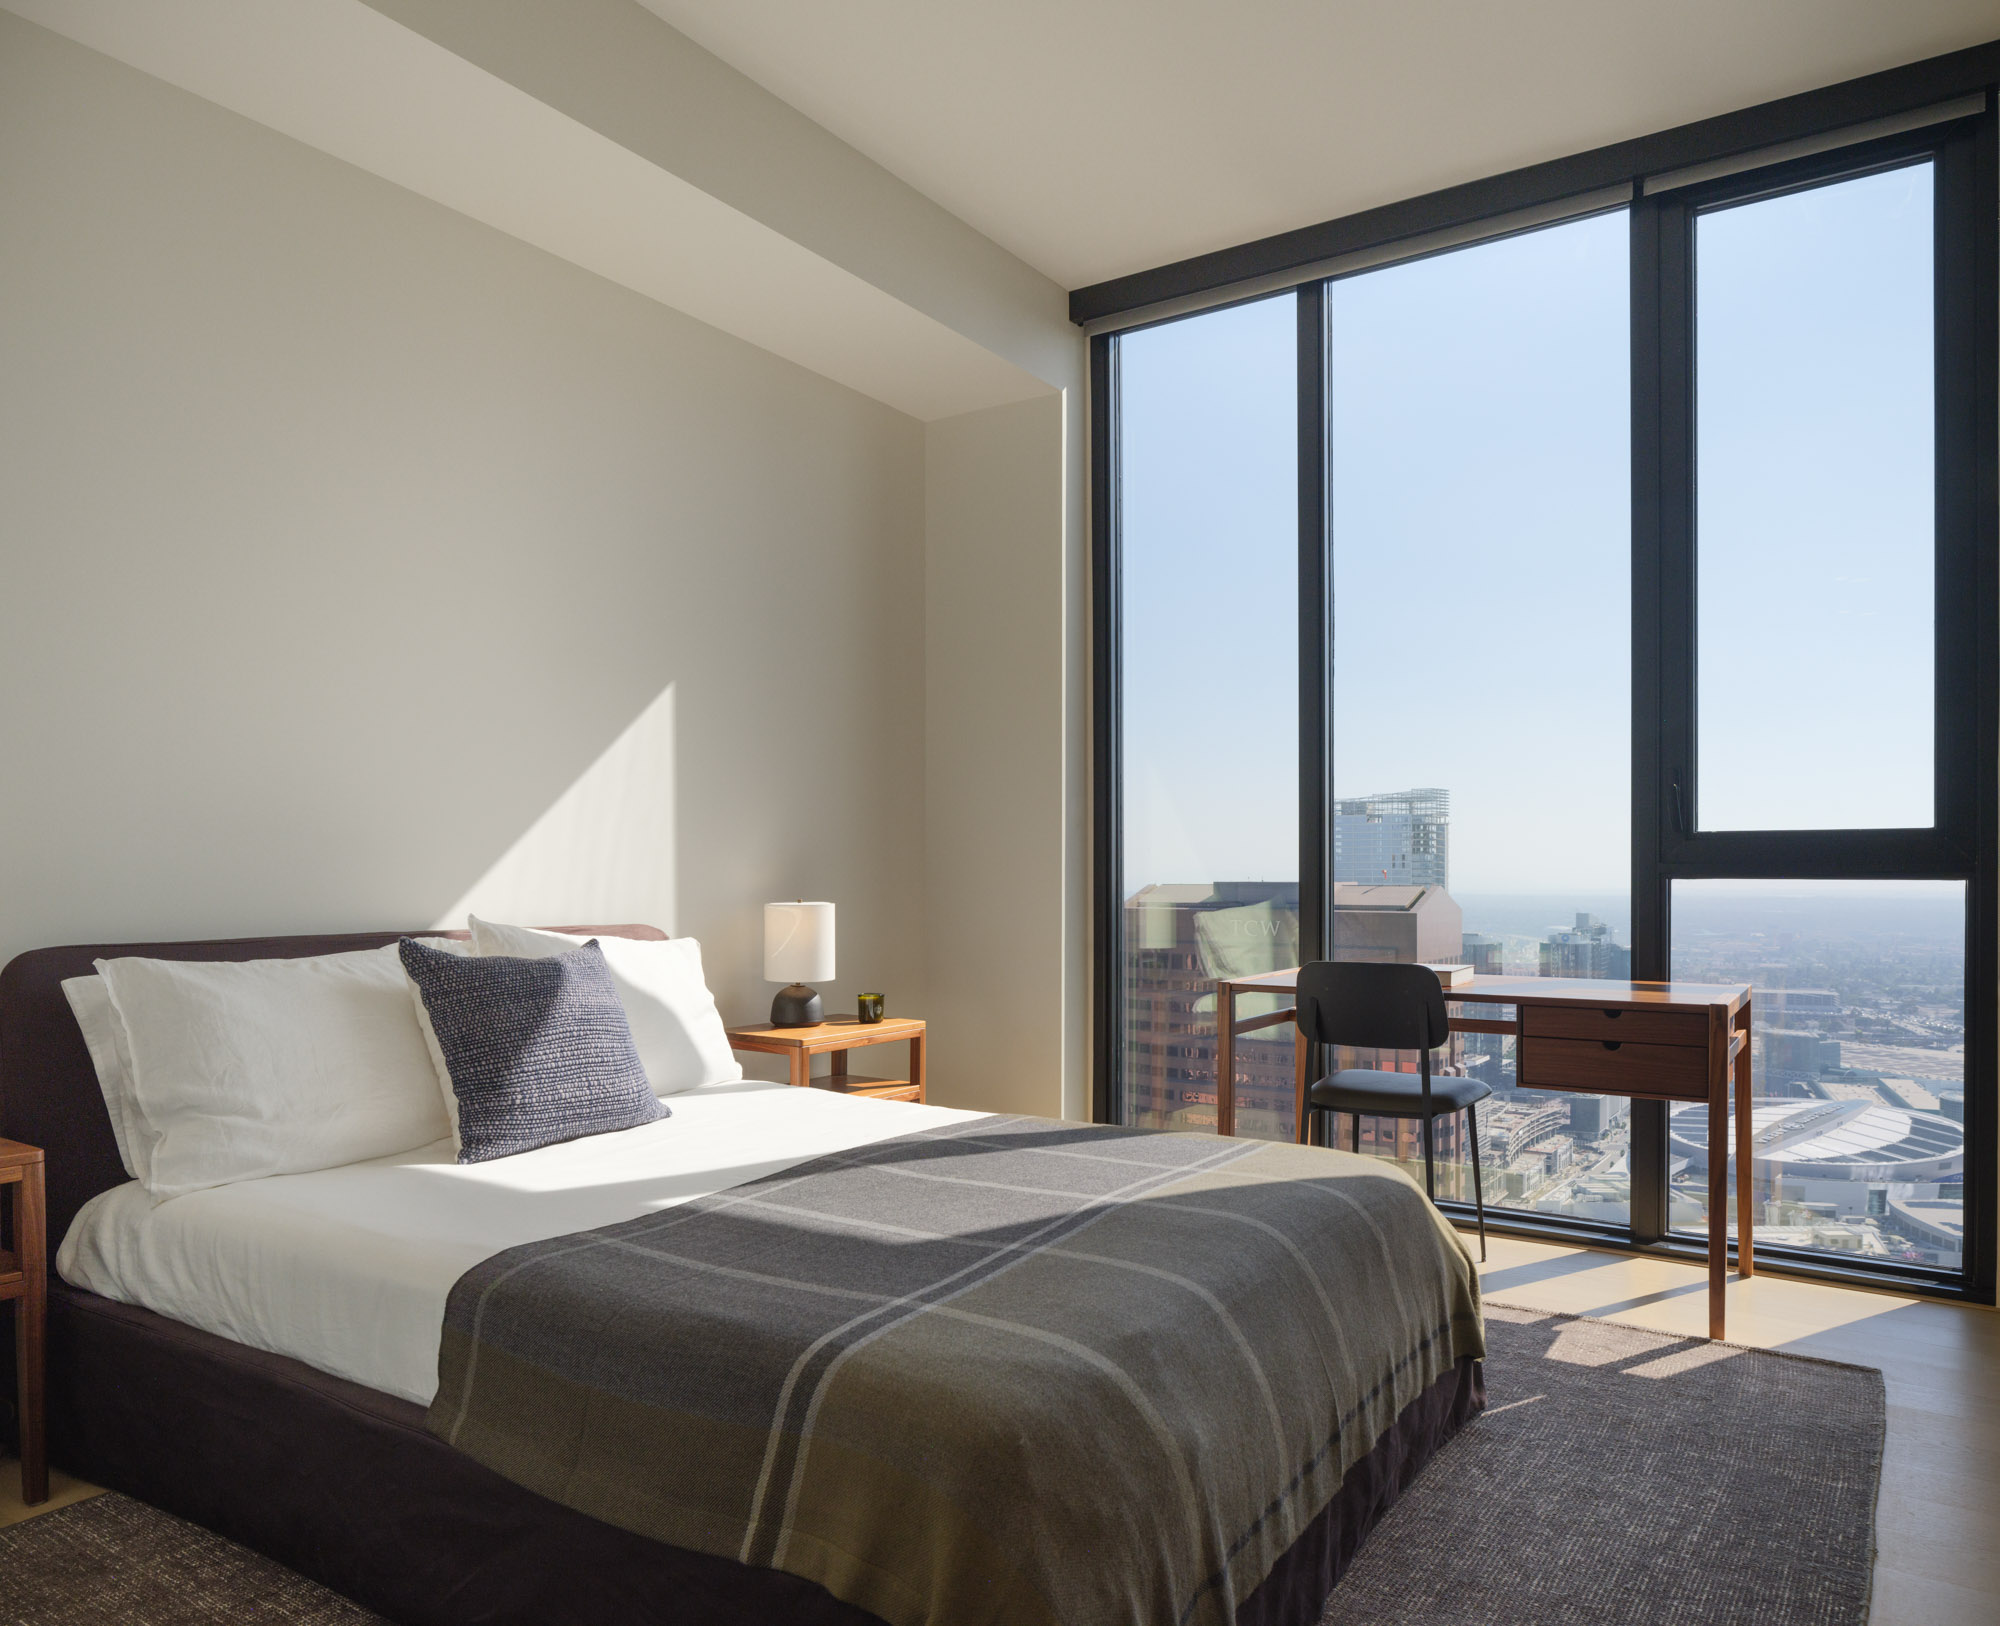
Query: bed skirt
[345, 1485]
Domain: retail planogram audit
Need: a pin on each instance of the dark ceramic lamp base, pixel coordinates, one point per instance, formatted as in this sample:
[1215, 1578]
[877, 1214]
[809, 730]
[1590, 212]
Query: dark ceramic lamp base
[796, 1006]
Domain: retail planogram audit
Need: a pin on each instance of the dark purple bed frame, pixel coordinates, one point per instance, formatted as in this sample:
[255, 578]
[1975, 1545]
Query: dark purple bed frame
[345, 1484]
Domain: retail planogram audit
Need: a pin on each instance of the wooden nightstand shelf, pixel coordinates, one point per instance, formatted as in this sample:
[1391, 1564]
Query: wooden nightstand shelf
[24, 1277]
[835, 1037]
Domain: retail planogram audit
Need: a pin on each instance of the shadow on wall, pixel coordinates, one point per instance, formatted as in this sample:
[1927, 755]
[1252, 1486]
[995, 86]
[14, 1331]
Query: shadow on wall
[604, 850]
[608, 850]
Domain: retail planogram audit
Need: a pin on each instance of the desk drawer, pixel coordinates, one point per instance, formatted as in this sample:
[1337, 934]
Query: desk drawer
[1619, 1067]
[1625, 1025]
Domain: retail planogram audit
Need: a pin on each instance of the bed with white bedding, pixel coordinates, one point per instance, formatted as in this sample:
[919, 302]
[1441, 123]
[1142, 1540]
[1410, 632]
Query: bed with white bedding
[348, 1269]
[255, 1352]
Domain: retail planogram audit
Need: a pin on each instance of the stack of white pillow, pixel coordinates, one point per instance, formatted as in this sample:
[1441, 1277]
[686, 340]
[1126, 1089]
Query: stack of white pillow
[218, 1071]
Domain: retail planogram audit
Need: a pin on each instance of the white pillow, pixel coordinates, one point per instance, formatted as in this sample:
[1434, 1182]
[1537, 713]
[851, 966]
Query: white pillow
[104, 1035]
[260, 1067]
[675, 1024]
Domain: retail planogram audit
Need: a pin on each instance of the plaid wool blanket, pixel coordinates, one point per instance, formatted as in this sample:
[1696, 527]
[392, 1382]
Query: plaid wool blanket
[1010, 1370]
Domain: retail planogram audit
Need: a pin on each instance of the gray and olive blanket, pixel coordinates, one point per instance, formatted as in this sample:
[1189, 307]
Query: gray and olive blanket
[1008, 1370]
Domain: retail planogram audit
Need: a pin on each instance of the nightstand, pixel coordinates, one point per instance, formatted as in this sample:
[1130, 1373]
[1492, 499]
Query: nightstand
[835, 1037]
[24, 1276]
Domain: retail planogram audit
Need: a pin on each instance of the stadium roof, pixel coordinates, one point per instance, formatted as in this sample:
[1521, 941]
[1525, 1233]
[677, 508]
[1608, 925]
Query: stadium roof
[1854, 1140]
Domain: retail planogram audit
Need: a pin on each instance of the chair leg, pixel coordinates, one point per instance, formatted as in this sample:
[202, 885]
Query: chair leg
[1430, 1121]
[1478, 1188]
[1355, 1119]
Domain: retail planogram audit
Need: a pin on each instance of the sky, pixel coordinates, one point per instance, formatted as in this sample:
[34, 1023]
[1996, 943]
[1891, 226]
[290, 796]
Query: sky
[1480, 505]
[1815, 508]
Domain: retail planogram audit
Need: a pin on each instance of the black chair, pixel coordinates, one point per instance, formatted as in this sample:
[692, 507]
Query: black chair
[1372, 1006]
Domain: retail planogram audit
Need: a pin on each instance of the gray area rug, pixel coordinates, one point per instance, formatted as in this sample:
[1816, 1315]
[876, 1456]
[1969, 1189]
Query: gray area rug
[1624, 1476]
[114, 1559]
[1618, 1476]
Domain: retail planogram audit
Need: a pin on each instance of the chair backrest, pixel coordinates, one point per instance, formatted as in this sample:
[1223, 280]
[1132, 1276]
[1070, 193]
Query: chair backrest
[1372, 1005]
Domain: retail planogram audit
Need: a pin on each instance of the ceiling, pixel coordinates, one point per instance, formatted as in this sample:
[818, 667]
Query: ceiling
[669, 199]
[1098, 137]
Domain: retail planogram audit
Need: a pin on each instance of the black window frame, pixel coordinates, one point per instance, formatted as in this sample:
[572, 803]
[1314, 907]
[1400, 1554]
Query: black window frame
[1670, 843]
[1945, 849]
[1667, 842]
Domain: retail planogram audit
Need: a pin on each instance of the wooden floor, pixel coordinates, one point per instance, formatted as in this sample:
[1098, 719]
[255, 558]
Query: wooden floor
[63, 1490]
[1938, 1525]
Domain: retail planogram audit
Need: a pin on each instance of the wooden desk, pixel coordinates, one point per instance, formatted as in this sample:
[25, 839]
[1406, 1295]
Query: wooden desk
[1656, 1041]
[24, 1277]
[835, 1037]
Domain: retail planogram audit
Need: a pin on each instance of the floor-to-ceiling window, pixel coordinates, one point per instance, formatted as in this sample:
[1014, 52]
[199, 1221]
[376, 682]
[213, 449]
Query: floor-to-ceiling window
[1479, 520]
[1612, 595]
[1209, 883]
[1814, 548]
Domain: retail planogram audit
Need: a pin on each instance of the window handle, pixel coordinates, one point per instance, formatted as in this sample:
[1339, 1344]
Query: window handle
[1680, 812]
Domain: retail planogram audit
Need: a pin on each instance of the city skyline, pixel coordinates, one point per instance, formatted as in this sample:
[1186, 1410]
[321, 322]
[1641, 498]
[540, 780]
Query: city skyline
[1857, 1060]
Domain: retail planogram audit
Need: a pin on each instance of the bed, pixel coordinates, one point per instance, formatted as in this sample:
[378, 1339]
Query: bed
[281, 1397]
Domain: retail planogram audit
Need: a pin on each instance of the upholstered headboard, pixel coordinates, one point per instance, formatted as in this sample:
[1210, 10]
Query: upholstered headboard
[48, 1088]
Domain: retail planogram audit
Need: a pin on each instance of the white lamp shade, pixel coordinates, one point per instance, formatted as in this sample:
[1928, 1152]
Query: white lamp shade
[798, 942]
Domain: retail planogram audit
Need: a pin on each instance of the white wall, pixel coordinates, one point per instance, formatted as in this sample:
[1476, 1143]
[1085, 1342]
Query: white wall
[358, 561]
[994, 885]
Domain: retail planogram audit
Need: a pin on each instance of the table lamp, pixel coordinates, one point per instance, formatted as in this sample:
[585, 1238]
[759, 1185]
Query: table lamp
[798, 948]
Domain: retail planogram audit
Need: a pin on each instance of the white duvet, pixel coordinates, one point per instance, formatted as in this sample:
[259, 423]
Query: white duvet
[348, 1269]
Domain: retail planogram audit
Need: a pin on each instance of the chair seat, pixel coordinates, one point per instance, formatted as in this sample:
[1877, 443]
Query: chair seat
[1394, 1095]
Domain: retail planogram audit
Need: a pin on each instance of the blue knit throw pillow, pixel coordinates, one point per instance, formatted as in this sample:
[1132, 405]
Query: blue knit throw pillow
[539, 1051]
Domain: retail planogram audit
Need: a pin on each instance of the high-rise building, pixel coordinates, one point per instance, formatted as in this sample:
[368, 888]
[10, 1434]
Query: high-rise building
[1593, 1116]
[1180, 939]
[1802, 1008]
[1400, 923]
[1484, 954]
[1402, 838]
[1585, 950]
[1788, 1053]
[1485, 1053]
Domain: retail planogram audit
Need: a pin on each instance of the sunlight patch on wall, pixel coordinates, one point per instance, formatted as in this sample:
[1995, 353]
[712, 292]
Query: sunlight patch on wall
[603, 853]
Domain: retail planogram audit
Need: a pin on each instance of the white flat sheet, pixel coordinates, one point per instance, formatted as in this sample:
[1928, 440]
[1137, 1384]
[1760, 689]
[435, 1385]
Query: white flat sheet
[348, 1269]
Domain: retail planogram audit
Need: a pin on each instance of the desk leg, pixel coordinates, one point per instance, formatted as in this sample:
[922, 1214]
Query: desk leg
[1718, 1167]
[1225, 1059]
[30, 1332]
[1746, 1164]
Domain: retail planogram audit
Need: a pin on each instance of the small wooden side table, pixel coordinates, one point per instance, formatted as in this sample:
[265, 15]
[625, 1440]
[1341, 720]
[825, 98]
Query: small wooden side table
[835, 1037]
[24, 1275]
